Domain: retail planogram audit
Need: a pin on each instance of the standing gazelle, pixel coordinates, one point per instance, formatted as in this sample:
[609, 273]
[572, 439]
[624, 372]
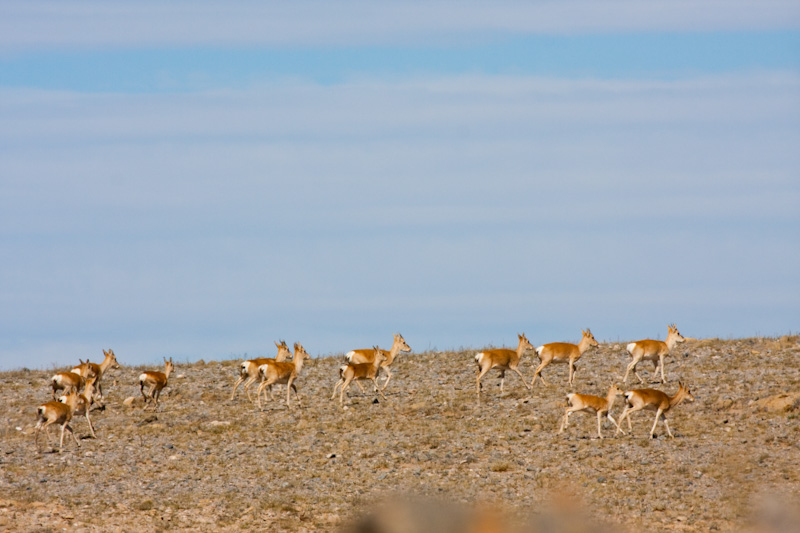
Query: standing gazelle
[156, 381]
[276, 372]
[248, 370]
[55, 412]
[563, 352]
[651, 350]
[502, 359]
[653, 400]
[367, 355]
[88, 369]
[359, 371]
[590, 403]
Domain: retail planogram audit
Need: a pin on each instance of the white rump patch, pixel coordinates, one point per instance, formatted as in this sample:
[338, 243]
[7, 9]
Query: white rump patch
[631, 347]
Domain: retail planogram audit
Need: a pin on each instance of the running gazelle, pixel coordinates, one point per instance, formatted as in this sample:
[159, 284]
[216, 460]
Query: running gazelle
[652, 350]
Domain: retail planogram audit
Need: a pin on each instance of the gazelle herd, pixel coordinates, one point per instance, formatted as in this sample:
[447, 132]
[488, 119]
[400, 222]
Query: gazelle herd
[82, 387]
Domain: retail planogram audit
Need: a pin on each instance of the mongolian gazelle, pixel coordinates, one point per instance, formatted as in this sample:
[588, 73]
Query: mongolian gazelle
[156, 381]
[359, 371]
[502, 359]
[563, 352]
[590, 403]
[87, 369]
[248, 370]
[275, 372]
[55, 412]
[367, 355]
[651, 350]
[653, 400]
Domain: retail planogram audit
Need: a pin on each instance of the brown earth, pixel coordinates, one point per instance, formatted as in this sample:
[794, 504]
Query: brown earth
[427, 459]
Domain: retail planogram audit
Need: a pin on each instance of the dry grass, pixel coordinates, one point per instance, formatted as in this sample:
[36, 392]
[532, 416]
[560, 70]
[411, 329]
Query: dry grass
[204, 462]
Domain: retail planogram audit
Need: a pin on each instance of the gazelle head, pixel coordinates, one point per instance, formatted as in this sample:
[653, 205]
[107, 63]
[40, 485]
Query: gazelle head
[685, 393]
[587, 334]
[524, 343]
[398, 339]
[299, 351]
[380, 355]
[110, 355]
[168, 366]
[673, 331]
[615, 390]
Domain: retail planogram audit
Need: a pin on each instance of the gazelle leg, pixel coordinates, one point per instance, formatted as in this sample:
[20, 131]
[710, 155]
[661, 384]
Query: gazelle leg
[521, 377]
[565, 421]
[615, 422]
[658, 415]
[388, 377]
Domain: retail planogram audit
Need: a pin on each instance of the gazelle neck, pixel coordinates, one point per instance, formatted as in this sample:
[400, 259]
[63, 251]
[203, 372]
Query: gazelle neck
[106, 363]
[672, 340]
[521, 347]
[612, 396]
[299, 358]
[584, 345]
[678, 398]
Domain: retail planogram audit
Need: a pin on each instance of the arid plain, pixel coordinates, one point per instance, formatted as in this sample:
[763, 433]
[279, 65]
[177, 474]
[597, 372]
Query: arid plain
[429, 458]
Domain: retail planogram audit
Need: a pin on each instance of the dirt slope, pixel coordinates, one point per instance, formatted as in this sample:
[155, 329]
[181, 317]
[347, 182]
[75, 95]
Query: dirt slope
[205, 462]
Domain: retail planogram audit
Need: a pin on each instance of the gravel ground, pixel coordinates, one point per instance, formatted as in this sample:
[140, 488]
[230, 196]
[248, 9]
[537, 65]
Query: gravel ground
[430, 457]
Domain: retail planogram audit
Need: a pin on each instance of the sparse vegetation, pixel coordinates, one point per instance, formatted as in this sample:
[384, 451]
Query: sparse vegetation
[203, 461]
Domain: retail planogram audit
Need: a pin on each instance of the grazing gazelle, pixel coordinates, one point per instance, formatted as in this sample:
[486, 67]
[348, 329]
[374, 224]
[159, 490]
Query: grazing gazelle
[653, 400]
[275, 372]
[87, 369]
[367, 355]
[359, 371]
[68, 381]
[85, 401]
[55, 412]
[655, 351]
[248, 370]
[502, 359]
[563, 352]
[590, 403]
[156, 381]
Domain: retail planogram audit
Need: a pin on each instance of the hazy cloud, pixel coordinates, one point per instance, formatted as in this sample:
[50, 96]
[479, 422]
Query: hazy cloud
[46, 24]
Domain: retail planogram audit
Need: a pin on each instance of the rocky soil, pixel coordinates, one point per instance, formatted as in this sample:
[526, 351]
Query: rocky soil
[430, 458]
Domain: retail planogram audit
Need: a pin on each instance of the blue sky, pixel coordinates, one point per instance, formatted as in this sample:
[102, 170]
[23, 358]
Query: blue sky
[655, 56]
[180, 181]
